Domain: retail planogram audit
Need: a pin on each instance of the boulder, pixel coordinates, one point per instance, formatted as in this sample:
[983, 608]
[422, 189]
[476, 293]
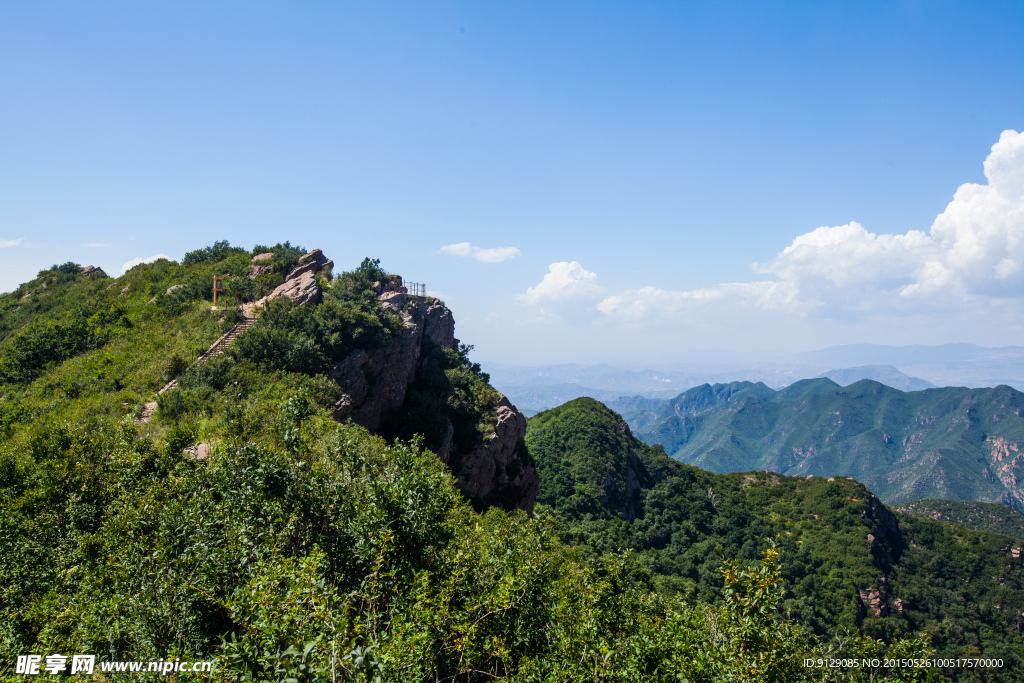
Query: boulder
[304, 290]
[300, 286]
[312, 262]
[256, 271]
[265, 257]
[93, 270]
[173, 288]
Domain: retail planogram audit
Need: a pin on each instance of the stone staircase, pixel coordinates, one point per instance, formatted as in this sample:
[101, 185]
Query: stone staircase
[218, 347]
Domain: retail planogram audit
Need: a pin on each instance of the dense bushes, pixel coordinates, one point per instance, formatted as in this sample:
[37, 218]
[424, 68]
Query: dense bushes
[30, 352]
[285, 256]
[310, 340]
[218, 251]
[312, 550]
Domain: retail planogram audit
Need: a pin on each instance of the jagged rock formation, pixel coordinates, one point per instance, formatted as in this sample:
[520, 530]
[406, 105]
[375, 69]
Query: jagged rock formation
[299, 285]
[495, 472]
[375, 383]
[93, 270]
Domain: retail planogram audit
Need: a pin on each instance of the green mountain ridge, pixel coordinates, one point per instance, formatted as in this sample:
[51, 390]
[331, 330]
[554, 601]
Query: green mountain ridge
[993, 517]
[953, 443]
[848, 561]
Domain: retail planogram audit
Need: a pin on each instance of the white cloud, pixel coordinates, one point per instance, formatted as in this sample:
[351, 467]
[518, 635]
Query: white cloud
[11, 243]
[974, 251]
[128, 265]
[492, 255]
[646, 302]
[564, 280]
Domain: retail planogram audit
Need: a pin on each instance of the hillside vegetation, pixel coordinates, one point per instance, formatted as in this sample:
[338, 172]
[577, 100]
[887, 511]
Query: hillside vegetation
[994, 517]
[296, 548]
[849, 564]
[953, 443]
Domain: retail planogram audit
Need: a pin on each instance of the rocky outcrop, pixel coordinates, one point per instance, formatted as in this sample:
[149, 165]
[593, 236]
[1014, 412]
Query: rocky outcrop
[313, 262]
[375, 382]
[261, 265]
[497, 471]
[876, 600]
[93, 270]
[391, 369]
[350, 377]
[439, 327]
[303, 290]
[374, 385]
[173, 288]
[300, 285]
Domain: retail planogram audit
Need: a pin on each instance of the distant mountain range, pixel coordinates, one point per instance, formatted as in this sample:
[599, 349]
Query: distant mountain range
[886, 374]
[908, 368]
[953, 443]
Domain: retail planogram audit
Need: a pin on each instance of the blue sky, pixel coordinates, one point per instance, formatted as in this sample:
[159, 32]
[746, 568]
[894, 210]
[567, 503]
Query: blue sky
[654, 175]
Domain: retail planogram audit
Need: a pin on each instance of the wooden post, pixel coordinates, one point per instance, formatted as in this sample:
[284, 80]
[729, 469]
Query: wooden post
[218, 286]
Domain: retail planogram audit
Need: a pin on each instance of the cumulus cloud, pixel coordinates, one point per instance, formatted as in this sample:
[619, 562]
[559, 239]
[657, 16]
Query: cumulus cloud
[492, 255]
[973, 251]
[564, 280]
[11, 243]
[128, 265]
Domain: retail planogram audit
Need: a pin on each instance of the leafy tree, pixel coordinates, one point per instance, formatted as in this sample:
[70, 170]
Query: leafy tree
[218, 251]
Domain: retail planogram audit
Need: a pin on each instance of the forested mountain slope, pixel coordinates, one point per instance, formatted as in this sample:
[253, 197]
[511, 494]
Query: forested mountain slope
[78, 345]
[254, 519]
[849, 563]
[953, 442]
[994, 517]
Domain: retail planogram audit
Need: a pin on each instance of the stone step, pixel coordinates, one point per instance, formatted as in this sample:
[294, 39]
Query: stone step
[217, 348]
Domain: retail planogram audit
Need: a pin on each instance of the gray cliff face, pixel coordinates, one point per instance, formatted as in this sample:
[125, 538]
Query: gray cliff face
[496, 472]
[374, 385]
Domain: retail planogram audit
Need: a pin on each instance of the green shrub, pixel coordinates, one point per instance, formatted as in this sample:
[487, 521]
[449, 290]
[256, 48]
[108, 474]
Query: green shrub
[218, 251]
[29, 353]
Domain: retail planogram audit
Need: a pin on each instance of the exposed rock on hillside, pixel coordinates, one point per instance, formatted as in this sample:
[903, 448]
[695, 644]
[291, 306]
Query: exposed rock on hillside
[299, 285]
[313, 262]
[495, 473]
[375, 384]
